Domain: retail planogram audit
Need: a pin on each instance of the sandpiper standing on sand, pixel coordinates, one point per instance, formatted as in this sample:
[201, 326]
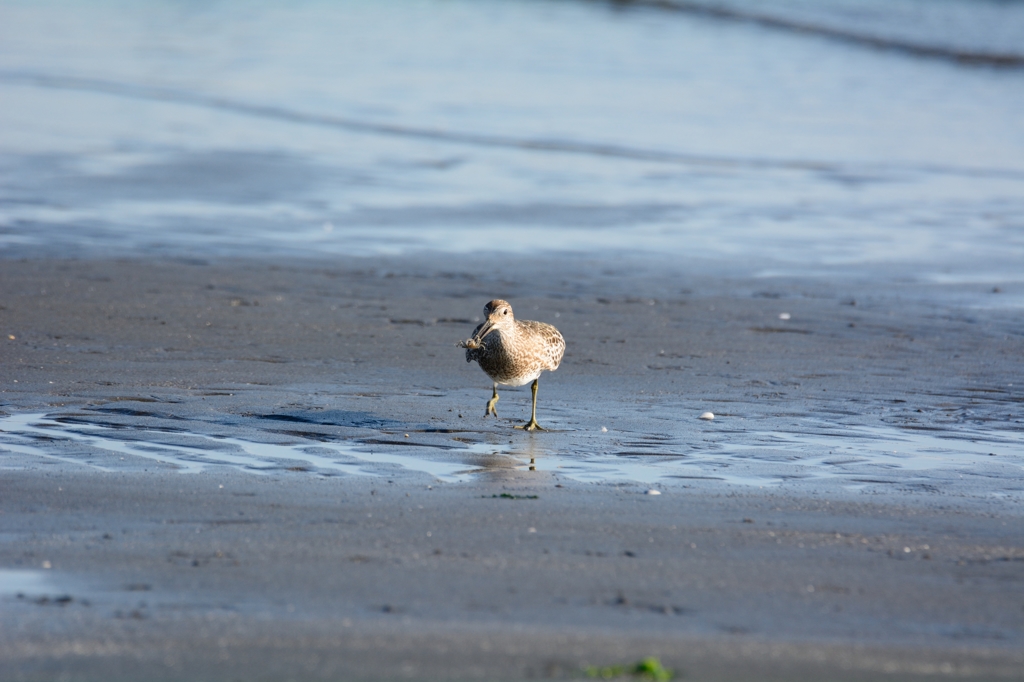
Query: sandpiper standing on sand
[513, 352]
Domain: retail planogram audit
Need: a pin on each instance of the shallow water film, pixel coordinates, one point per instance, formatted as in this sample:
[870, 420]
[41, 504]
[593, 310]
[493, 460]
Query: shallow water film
[821, 457]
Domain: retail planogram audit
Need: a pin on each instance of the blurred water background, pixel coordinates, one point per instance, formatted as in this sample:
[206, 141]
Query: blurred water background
[787, 136]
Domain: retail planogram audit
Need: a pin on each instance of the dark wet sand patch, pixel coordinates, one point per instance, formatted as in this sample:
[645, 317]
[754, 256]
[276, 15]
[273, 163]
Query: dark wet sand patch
[913, 574]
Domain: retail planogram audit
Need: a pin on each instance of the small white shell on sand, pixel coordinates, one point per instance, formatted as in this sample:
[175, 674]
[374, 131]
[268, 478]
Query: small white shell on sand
[707, 415]
[604, 429]
[652, 492]
[784, 316]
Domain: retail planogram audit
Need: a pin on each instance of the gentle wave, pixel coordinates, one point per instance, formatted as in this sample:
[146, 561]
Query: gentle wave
[951, 54]
[155, 93]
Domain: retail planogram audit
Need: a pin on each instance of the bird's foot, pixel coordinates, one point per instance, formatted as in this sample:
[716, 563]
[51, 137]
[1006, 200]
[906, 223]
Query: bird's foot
[491, 407]
[531, 425]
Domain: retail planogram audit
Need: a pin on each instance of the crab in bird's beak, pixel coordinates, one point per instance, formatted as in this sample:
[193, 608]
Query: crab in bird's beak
[478, 340]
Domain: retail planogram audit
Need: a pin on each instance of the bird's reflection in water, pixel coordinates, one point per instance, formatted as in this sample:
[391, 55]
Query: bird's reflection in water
[509, 458]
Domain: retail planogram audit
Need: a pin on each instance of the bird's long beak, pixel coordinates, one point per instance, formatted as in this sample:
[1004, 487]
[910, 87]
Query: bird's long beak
[484, 331]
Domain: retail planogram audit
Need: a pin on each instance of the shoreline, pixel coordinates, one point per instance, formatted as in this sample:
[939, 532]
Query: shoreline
[364, 347]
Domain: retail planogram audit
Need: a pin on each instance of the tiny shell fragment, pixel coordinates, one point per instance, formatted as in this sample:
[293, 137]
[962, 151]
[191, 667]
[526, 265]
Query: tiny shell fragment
[707, 415]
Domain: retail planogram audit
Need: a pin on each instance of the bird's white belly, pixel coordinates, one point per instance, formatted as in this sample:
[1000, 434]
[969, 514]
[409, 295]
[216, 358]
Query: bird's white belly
[522, 379]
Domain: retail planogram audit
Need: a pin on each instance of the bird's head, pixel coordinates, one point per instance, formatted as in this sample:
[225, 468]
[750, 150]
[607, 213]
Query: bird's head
[497, 317]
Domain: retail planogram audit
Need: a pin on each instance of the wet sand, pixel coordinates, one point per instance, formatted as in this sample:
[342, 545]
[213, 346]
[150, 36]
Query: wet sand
[300, 574]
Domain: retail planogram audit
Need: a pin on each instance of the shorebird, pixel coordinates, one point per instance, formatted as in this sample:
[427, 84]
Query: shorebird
[513, 352]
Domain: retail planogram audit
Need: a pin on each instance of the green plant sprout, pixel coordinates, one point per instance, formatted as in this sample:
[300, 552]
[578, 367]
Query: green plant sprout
[649, 668]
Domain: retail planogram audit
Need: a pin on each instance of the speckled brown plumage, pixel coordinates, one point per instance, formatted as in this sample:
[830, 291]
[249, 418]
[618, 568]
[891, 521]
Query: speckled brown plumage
[513, 352]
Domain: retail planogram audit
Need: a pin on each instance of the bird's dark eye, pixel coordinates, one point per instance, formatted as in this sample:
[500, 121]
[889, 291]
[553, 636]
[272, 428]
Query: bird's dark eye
[505, 311]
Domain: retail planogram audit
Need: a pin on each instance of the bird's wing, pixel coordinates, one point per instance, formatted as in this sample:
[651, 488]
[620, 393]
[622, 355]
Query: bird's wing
[553, 343]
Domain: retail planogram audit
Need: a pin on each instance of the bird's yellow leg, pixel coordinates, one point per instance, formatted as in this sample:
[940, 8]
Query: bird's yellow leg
[492, 402]
[532, 425]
